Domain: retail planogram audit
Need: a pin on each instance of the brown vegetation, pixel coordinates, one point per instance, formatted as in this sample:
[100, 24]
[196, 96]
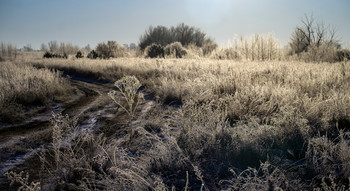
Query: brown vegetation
[228, 125]
[23, 86]
[252, 116]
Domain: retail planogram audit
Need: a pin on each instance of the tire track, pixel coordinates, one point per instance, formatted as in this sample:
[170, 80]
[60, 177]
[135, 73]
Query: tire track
[88, 106]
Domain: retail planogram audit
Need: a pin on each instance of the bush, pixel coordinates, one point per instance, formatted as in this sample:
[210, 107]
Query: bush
[60, 48]
[92, 54]
[128, 87]
[255, 47]
[48, 55]
[111, 49]
[7, 52]
[54, 55]
[182, 33]
[175, 49]
[194, 51]
[79, 55]
[226, 54]
[342, 55]
[154, 51]
[321, 53]
[208, 47]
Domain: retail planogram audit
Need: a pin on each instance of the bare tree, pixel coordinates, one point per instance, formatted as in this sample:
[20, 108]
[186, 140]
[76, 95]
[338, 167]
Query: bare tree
[44, 47]
[7, 51]
[182, 33]
[62, 48]
[53, 46]
[28, 48]
[312, 32]
[87, 47]
[111, 49]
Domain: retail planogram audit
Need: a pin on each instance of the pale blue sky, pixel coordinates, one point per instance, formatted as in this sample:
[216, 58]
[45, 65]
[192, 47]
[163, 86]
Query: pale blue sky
[83, 22]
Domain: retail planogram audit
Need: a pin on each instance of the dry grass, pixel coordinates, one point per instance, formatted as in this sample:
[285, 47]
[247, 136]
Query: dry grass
[254, 47]
[23, 86]
[276, 125]
[318, 92]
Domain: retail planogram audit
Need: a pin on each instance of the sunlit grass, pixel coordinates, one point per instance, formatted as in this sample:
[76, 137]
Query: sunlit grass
[317, 91]
[24, 86]
[234, 125]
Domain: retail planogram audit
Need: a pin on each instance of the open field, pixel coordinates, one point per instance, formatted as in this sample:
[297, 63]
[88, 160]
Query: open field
[203, 124]
[174, 96]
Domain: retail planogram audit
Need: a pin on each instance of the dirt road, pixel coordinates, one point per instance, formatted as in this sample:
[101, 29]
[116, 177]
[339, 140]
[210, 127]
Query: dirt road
[21, 142]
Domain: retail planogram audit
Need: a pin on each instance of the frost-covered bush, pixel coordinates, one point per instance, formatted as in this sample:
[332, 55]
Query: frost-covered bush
[154, 51]
[175, 50]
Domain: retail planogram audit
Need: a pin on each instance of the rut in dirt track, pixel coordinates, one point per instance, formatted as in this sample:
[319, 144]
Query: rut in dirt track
[89, 105]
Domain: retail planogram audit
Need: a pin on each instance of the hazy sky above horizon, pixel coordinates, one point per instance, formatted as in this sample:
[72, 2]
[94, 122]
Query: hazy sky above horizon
[83, 22]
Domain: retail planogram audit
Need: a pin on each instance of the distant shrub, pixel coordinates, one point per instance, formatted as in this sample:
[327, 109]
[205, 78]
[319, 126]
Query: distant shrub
[319, 53]
[92, 54]
[111, 49]
[342, 55]
[226, 54]
[154, 51]
[64, 56]
[182, 33]
[194, 51]
[79, 55]
[7, 51]
[311, 34]
[60, 48]
[255, 47]
[313, 41]
[175, 49]
[138, 52]
[208, 47]
[47, 55]
[54, 55]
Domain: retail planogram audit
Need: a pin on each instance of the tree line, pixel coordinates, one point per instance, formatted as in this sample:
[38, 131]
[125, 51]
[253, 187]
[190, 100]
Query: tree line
[312, 41]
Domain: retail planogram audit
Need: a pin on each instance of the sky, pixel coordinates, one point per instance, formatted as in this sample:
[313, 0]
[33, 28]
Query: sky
[83, 22]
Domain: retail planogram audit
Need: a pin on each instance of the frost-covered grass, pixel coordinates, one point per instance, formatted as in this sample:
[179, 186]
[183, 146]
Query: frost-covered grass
[23, 87]
[235, 125]
[317, 92]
